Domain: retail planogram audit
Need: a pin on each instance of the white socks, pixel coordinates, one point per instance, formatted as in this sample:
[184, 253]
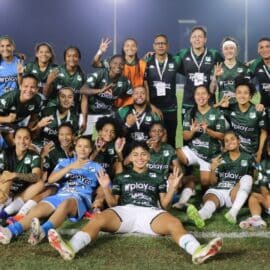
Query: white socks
[27, 207]
[14, 206]
[242, 194]
[185, 195]
[207, 210]
[79, 240]
[189, 243]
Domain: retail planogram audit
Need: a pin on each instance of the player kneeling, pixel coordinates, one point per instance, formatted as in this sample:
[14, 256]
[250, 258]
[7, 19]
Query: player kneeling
[138, 192]
[232, 182]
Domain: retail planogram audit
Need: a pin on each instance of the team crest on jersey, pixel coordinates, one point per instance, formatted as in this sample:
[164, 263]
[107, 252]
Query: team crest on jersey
[208, 59]
[61, 75]
[261, 70]
[111, 151]
[187, 59]
[3, 101]
[240, 70]
[119, 84]
[233, 114]
[252, 115]
[212, 117]
[91, 169]
[27, 160]
[127, 175]
[268, 171]
[34, 71]
[151, 66]
[13, 108]
[104, 80]
[148, 118]
[79, 78]
[90, 79]
[130, 91]
[244, 163]
[171, 65]
[153, 175]
[166, 153]
[31, 107]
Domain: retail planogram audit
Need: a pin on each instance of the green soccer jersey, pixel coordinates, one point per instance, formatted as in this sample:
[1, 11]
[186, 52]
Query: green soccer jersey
[34, 69]
[75, 81]
[107, 158]
[103, 103]
[229, 172]
[50, 131]
[10, 103]
[161, 160]
[226, 84]
[202, 144]
[140, 189]
[264, 173]
[9, 162]
[54, 157]
[247, 125]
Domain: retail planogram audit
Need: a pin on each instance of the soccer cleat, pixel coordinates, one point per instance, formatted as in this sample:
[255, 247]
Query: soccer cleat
[253, 223]
[36, 232]
[230, 218]
[13, 219]
[5, 235]
[194, 215]
[59, 244]
[204, 252]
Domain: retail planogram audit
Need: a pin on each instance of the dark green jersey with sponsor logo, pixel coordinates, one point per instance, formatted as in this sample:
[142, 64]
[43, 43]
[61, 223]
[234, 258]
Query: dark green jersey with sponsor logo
[65, 79]
[161, 160]
[54, 157]
[202, 144]
[196, 69]
[50, 131]
[229, 172]
[10, 103]
[103, 103]
[264, 173]
[139, 131]
[140, 189]
[34, 69]
[107, 158]
[247, 125]
[226, 85]
[262, 74]
[9, 162]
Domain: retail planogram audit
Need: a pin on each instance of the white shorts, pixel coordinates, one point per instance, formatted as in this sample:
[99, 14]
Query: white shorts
[193, 159]
[136, 219]
[223, 195]
[91, 122]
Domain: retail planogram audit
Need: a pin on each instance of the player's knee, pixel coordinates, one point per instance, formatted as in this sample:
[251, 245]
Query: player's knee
[174, 224]
[246, 183]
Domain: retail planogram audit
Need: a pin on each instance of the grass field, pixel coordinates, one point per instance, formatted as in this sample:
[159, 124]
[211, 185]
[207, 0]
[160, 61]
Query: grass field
[141, 252]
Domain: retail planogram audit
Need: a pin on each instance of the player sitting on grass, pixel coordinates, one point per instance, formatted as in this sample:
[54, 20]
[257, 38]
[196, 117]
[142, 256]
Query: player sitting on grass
[232, 182]
[137, 191]
[260, 200]
[74, 197]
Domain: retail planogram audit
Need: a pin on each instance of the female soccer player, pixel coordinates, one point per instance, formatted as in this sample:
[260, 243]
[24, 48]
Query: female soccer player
[138, 192]
[203, 131]
[20, 177]
[248, 123]
[8, 65]
[231, 179]
[260, 199]
[224, 73]
[74, 197]
[134, 67]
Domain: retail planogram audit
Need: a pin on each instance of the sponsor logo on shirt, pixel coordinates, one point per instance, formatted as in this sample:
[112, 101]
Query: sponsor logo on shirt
[244, 163]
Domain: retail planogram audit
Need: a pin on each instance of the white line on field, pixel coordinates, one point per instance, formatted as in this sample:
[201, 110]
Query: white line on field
[232, 235]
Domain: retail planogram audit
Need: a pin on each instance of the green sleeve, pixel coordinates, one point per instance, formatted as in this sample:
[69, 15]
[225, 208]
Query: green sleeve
[178, 59]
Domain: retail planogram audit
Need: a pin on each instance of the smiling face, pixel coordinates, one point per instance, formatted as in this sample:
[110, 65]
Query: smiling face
[117, 66]
[65, 137]
[139, 157]
[242, 94]
[156, 132]
[160, 45]
[107, 133]
[66, 98]
[83, 148]
[43, 54]
[72, 58]
[201, 96]
[28, 89]
[229, 51]
[139, 95]
[130, 47]
[198, 39]
[22, 140]
[6, 48]
[264, 49]
[231, 142]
